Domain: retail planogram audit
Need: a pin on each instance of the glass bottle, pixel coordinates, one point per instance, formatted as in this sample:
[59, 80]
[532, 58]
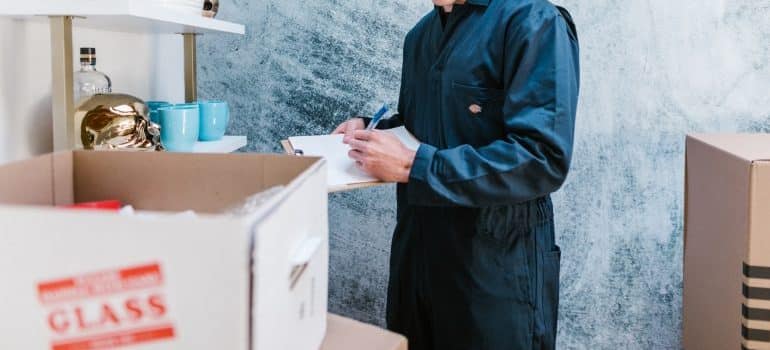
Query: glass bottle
[88, 80]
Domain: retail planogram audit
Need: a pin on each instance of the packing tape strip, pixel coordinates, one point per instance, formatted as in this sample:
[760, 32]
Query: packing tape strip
[754, 313]
[755, 334]
[756, 292]
[756, 271]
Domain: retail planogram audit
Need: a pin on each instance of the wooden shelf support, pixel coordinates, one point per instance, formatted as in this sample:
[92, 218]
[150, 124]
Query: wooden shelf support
[190, 65]
[62, 103]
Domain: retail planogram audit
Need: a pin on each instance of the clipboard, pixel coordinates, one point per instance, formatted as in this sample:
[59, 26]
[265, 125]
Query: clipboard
[333, 189]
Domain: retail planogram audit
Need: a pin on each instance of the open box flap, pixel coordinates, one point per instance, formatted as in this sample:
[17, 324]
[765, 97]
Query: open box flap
[43, 180]
[206, 183]
[749, 147]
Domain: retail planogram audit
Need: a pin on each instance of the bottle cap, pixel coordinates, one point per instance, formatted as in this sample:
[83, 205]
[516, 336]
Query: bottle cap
[88, 55]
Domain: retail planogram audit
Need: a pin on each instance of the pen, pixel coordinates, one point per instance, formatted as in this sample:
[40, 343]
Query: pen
[377, 117]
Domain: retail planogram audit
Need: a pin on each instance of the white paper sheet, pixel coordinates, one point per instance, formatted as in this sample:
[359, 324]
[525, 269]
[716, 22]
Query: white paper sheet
[342, 169]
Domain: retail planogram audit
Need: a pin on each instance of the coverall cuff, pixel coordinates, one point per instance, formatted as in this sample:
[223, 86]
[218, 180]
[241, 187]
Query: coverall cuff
[422, 161]
[367, 120]
[419, 191]
[392, 122]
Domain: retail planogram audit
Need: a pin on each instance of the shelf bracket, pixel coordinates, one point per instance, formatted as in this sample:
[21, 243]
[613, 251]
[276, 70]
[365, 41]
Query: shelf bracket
[190, 73]
[62, 104]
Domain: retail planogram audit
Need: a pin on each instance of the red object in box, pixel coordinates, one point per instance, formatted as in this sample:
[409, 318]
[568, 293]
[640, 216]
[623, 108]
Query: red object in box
[109, 205]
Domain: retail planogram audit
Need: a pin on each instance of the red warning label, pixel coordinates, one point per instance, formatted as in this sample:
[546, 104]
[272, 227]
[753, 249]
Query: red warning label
[106, 309]
[108, 341]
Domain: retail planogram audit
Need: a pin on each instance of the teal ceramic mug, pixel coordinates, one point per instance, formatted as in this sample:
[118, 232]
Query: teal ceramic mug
[179, 127]
[153, 107]
[214, 118]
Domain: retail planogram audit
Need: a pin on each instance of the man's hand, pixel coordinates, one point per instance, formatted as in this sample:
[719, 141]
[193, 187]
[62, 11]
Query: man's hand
[349, 127]
[381, 154]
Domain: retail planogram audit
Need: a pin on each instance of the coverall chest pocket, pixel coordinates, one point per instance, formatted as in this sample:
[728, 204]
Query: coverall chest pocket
[477, 103]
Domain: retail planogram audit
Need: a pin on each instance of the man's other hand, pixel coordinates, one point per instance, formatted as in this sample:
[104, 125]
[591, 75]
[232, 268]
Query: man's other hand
[349, 127]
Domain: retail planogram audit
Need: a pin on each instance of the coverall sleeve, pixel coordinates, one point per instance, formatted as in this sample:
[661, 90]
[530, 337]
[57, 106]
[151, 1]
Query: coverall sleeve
[393, 122]
[541, 86]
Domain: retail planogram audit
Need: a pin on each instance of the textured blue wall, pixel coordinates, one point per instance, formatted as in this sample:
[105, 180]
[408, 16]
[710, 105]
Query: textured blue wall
[652, 71]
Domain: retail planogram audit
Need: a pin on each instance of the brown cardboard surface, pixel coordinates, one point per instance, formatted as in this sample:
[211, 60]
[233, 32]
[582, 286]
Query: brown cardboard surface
[759, 220]
[199, 182]
[62, 172]
[721, 211]
[27, 182]
[163, 181]
[346, 334]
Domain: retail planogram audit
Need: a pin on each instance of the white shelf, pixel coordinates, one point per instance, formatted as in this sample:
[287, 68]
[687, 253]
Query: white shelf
[136, 16]
[227, 144]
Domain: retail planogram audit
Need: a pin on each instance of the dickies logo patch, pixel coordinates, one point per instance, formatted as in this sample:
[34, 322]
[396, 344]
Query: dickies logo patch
[106, 309]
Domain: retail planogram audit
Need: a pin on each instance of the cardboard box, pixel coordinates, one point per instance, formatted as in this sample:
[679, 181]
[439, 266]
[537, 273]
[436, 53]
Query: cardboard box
[347, 334]
[93, 280]
[727, 242]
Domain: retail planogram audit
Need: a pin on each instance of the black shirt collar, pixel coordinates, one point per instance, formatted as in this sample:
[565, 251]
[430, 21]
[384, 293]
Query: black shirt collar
[484, 3]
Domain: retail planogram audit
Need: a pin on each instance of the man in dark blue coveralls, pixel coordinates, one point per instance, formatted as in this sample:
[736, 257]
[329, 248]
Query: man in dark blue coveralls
[490, 89]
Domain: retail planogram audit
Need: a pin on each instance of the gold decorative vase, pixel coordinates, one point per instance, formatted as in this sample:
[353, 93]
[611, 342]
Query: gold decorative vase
[116, 121]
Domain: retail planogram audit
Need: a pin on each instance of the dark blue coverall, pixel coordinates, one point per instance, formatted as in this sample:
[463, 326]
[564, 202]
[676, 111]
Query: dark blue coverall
[491, 94]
